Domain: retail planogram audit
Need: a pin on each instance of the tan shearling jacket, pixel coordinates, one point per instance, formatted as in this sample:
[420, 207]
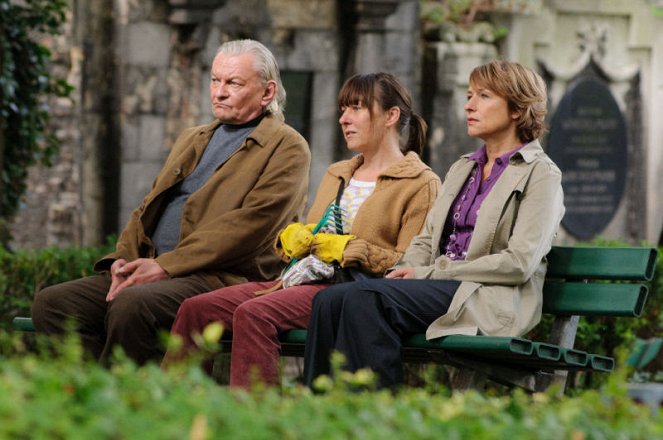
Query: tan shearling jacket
[228, 225]
[501, 290]
[388, 219]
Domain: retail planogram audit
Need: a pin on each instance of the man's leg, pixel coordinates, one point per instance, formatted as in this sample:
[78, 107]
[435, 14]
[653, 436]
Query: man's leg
[81, 301]
[139, 313]
[256, 327]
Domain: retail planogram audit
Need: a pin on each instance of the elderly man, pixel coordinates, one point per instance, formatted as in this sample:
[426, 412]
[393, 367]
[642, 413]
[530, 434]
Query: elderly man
[209, 221]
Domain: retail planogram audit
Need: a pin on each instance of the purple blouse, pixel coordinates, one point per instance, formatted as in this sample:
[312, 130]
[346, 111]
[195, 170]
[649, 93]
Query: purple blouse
[464, 211]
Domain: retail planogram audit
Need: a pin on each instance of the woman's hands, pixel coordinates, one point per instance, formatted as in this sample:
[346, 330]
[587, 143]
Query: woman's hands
[296, 240]
[329, 247]
[401, 273]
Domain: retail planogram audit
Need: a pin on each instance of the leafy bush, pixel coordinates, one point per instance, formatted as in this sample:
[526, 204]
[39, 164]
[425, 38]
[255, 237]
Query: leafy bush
[25, 272]
[25, 80]
[64, 397]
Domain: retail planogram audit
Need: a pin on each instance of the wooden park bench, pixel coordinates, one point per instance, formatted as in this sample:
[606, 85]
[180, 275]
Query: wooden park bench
[581, 281]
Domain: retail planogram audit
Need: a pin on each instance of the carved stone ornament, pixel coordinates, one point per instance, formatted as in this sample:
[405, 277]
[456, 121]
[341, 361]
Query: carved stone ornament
[592, 43]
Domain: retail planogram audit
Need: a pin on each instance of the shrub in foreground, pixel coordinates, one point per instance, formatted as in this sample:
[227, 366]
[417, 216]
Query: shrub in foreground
[63, 396]
[24, 272]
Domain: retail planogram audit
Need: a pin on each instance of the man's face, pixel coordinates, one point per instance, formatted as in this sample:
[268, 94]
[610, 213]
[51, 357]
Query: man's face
[237, 93]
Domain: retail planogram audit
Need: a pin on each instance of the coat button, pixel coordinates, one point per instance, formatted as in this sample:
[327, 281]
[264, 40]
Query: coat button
[177, 171]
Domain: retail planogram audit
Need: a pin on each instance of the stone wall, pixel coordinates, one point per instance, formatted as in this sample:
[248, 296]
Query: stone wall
[50, 211]
[141, 76]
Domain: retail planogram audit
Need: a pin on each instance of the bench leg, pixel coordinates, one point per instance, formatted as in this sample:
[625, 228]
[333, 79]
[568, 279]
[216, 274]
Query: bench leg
[563, 333]
[467, 379]
[221, 370]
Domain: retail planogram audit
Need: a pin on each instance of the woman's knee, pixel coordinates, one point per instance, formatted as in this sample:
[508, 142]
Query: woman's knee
[252, 313]
[331, 297]
[192, 304]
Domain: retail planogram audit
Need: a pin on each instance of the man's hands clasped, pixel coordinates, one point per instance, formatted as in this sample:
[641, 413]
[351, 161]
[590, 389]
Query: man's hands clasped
[126, 274]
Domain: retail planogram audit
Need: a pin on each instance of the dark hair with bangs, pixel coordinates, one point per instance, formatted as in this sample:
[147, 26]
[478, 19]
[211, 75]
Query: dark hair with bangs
[524, 91]
[387, 91]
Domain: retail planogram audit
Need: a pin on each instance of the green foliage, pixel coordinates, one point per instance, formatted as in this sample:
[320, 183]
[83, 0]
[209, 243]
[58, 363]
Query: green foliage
[42, 396]
[23, 273]
[657, 11]
[459, 20]
[25, 80]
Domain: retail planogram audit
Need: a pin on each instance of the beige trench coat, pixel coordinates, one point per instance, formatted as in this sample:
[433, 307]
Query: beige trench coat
[501, 288]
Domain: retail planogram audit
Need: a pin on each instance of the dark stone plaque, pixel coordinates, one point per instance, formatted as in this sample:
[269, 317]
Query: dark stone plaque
[588, 142]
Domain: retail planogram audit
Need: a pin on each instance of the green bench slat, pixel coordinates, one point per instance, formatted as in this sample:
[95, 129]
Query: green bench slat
[573, 357]
[595, 299]
[644, 352]
[483, 344]
[297, 336]
[500, 348]
[547, 351]
[570, 262]
[601, 363]
[23, 324]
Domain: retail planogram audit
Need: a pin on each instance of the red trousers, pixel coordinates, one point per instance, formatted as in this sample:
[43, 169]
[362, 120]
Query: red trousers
[255, 323]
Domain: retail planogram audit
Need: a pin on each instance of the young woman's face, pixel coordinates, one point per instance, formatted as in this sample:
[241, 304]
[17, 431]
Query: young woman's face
[488, 115]
[361, 131]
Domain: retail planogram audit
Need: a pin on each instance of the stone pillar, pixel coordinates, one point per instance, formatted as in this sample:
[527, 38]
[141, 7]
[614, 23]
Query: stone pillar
[144, 50]
[371, 28]
[385, 38]
[305, 39]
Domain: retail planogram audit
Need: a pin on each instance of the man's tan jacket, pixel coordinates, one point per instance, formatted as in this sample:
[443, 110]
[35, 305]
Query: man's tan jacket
[229, 224]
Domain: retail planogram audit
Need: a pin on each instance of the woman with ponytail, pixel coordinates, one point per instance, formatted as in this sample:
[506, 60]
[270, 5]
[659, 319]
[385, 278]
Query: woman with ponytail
[385, 192]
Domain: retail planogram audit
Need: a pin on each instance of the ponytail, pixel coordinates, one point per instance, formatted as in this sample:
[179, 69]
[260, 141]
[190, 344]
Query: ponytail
[416, 139]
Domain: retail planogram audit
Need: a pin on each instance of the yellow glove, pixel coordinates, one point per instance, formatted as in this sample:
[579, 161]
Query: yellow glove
[329, 247]
[296, 239]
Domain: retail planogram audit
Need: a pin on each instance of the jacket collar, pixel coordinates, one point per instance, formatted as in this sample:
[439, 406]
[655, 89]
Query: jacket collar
[408, 167]
[528, 153]
[262, 133]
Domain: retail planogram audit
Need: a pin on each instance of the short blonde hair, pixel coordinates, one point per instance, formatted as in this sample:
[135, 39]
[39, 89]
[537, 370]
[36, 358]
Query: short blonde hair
[524, 91]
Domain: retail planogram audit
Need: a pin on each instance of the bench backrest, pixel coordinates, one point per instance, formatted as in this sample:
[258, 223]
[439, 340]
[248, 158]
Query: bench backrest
[598, 281]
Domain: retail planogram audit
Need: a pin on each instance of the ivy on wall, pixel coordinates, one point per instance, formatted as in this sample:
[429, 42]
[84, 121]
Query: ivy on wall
[25, 82]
